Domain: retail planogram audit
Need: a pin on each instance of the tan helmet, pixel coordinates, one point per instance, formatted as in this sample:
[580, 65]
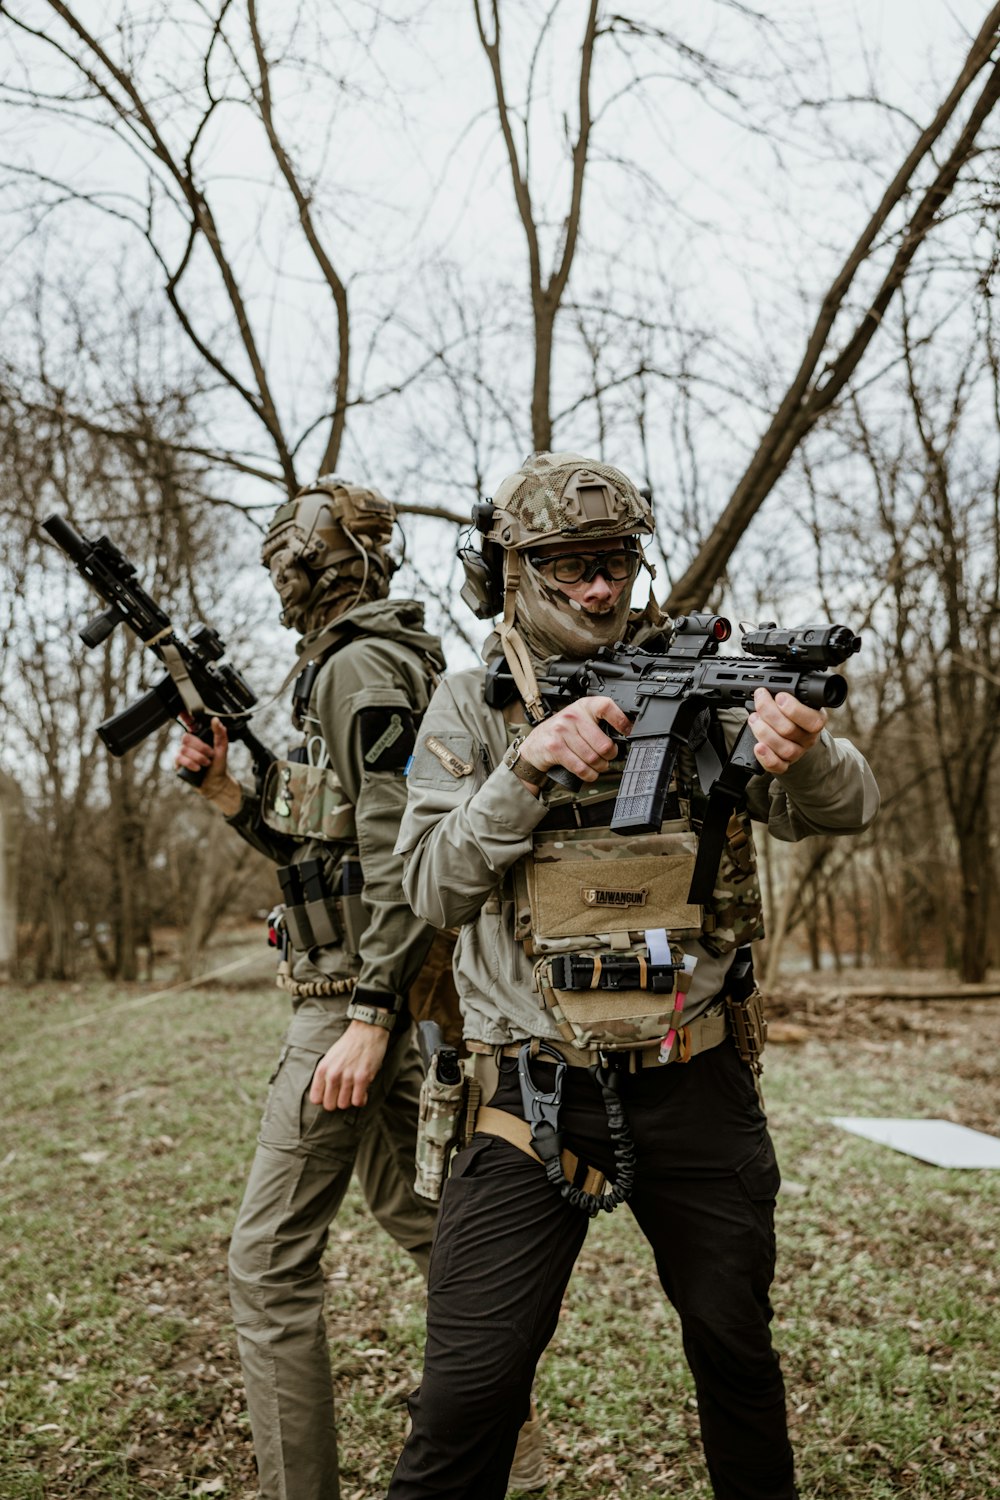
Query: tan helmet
[553, 497]
[326, 549]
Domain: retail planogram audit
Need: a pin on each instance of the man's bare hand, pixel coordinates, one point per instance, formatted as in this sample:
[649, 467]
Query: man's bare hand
[784, 728]
[218, 786]
[344, 1076]
[573, 738]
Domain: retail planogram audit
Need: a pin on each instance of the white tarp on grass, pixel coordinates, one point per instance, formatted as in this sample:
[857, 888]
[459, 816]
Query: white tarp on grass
[941, 1142]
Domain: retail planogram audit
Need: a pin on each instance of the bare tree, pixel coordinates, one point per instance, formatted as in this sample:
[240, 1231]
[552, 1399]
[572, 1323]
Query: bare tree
[90, 819]
[112, 83]
[824, 373]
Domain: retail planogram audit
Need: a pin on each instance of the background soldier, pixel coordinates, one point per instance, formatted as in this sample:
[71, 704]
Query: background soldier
[485, 849]
[345, 1091]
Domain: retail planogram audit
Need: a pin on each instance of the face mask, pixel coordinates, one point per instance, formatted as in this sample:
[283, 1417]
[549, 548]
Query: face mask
[292, 582]
[552, 624]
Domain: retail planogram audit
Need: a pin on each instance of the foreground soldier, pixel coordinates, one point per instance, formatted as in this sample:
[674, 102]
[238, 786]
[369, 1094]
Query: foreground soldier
[672, 1106]
[345, 1091]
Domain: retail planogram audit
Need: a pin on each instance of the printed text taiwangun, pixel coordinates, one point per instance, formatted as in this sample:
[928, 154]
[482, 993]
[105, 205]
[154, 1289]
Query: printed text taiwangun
[196, 681]
[667, 694]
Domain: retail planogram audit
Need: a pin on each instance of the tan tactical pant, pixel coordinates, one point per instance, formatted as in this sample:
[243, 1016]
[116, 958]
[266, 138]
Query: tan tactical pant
[300, 1173]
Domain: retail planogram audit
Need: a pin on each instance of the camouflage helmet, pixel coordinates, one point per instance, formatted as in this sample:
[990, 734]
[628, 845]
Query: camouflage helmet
[552, 497]
[326, 549]
[555, 496]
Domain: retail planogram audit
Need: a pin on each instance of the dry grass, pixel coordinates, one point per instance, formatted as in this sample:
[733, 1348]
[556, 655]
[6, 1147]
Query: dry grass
[126, 1143]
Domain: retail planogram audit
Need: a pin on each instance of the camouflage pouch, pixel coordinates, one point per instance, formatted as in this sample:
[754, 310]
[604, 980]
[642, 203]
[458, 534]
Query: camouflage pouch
[613, 1019]
[582, 882]
[734, 917]
[442, 1107]
[748, 1025]
[306, 802]
[591, 893]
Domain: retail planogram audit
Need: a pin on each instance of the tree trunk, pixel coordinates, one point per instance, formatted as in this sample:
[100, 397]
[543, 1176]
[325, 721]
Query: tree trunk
[541, 397]
[11, 812]
[58, 958]
[974, 864]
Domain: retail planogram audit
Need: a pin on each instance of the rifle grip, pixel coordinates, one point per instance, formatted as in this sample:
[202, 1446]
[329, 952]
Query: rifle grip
[203, 729]
[564, 778]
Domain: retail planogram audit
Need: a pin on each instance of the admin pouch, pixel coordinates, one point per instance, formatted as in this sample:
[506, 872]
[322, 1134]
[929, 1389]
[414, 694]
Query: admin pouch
[307, 802]
[603, 916]
[580, 880]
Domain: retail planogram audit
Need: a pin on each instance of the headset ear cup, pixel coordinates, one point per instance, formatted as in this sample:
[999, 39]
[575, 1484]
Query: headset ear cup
[483, 587]
[483, 513]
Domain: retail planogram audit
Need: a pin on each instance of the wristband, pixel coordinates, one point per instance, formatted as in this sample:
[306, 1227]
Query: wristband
[372, 1015]
[523, 768]
[374, 1008]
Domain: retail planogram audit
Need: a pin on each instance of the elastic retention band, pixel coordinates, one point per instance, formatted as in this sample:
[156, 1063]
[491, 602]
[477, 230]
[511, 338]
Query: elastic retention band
[621, 1190]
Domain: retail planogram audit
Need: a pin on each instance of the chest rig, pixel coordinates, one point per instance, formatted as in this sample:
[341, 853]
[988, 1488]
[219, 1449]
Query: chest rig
[302, 798]
[604, 917]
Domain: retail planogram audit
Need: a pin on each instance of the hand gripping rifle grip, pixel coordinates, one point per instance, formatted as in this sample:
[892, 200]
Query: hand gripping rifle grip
[573, 783]
[564, 778]
[203, 729]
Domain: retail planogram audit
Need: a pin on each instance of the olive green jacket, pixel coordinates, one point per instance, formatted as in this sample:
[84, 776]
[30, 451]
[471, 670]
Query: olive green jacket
[462, 833]
[385, 664]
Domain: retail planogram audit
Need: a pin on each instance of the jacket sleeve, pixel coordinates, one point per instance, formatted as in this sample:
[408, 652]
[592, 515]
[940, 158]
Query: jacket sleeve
[359, 688]
[831, 790]
[248, 824]
[463, 831]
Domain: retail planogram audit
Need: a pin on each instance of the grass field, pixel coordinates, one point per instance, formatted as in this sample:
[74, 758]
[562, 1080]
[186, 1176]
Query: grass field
[127, 1131]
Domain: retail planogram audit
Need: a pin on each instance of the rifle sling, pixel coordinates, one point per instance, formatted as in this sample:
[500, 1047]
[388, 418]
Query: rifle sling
[708, 765]
[723, 800]
[174, 663]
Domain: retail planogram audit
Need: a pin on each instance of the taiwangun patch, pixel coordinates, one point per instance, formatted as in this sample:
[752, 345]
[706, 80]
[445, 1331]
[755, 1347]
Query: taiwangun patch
[602, 896]
[451, 762]
[388, 736]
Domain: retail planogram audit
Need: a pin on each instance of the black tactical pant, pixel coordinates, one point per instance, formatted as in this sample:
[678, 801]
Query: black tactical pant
[506, 1245]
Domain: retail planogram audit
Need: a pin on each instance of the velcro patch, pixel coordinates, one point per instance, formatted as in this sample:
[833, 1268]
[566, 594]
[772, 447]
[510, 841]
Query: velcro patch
[388, 736]
[451, 762]
[445, 760]
[602, 896]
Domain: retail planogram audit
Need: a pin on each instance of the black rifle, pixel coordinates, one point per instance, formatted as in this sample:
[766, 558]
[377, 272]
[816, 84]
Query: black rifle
[666, 695]
[197, 682]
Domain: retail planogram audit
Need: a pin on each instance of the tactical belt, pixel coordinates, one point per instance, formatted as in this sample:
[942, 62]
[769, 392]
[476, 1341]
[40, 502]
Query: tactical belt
[313, 989]
[701, 1034]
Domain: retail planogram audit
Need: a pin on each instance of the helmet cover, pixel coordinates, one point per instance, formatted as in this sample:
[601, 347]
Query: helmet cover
[326, 550]
[556, 496]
